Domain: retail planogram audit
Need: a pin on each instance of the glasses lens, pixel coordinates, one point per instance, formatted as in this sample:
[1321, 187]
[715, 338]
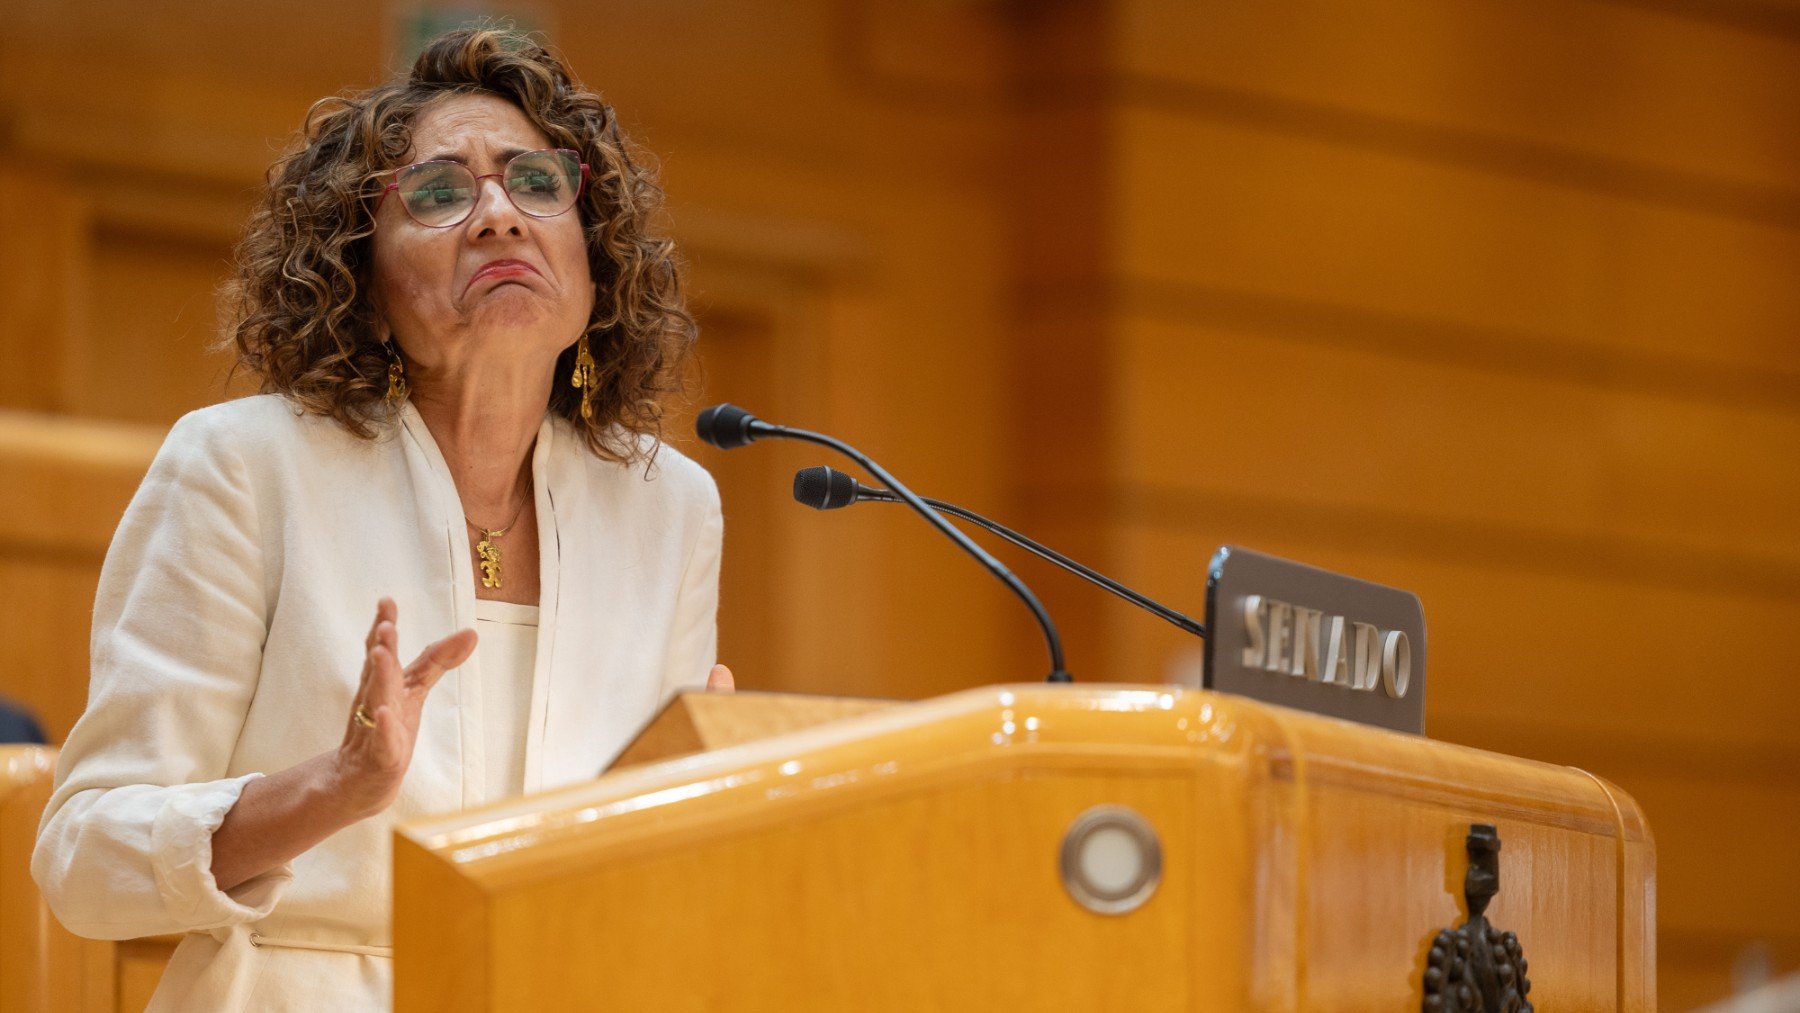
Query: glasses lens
[437, 193]
[544, 183]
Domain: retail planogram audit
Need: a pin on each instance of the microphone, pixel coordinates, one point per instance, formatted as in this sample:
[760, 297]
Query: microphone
[825, 488]
[728, 427]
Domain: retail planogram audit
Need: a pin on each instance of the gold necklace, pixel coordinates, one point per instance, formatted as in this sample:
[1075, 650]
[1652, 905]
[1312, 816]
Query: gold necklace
[488, 551]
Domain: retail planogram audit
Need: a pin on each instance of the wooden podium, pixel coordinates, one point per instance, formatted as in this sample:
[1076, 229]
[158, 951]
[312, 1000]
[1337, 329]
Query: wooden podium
[1022, 847]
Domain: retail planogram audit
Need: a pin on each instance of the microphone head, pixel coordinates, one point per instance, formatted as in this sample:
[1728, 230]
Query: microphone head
[725, 426]
[824, 488]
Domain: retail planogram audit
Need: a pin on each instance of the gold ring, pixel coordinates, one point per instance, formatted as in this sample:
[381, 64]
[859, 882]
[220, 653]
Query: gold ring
[362, 717]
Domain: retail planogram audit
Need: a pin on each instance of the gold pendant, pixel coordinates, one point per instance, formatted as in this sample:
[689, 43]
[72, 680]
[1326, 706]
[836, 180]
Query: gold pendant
[584, 377]
[398, 388]
[490, 560]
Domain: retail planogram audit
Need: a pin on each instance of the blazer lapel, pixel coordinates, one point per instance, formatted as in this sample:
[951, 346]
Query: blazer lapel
[552, 493]
[452, 715]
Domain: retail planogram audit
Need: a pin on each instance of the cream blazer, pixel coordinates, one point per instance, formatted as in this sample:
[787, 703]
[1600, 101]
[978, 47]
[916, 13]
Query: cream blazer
[228, 642]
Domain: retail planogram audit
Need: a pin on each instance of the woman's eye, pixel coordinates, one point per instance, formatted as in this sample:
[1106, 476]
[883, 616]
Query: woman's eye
[436, 187]
[538, 182]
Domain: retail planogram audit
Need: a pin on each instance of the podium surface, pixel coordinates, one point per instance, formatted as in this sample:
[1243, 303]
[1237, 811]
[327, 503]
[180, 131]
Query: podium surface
[913, 857]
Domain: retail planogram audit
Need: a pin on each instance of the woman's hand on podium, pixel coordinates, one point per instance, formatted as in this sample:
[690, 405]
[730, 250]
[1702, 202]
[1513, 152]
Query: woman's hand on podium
[720, 680]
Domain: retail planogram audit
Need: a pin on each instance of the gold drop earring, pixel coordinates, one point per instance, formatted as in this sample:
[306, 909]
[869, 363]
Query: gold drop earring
[584, 376]
[397, 385]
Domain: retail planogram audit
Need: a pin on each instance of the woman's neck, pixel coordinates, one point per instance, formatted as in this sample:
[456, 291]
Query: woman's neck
[485, 427]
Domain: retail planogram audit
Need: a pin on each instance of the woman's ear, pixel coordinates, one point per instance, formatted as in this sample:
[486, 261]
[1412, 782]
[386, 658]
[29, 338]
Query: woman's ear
[378, 319]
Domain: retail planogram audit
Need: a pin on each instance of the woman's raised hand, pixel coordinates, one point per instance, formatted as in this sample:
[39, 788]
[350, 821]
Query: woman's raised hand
[278, 817]
[383, 723]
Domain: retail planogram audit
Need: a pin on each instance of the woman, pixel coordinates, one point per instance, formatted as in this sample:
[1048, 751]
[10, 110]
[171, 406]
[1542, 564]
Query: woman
[464, 330]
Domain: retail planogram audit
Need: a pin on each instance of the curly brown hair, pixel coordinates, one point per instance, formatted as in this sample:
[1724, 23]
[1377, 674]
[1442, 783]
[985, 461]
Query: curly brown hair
[298, 307]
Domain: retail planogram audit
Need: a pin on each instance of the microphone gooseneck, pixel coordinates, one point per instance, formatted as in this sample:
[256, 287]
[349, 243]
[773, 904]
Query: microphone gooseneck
[728, 427]
[825, 488]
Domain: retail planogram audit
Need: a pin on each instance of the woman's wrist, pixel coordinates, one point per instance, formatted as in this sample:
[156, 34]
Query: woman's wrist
[278, 817]
[337, 789]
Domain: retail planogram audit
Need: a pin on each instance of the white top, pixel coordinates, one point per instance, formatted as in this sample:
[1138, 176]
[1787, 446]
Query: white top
[508, 649]
[228, 641]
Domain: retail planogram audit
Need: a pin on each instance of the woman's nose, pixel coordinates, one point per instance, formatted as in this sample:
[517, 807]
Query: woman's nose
[493, 211]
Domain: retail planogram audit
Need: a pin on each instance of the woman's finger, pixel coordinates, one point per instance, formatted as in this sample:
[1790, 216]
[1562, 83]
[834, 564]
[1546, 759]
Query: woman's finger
[359, 700]
[384, 610]
[386, 681]
[441, 657]
[368, 669]
[388, 635]
[719, 680]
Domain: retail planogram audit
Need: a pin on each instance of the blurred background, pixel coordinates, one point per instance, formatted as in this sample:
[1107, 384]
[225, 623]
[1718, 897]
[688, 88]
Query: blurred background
[1495, 301]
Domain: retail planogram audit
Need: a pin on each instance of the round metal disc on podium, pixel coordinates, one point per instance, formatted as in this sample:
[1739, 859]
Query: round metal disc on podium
[1111, 860]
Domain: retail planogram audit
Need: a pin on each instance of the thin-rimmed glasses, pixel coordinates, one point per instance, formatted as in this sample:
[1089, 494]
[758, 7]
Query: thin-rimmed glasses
[439, 194]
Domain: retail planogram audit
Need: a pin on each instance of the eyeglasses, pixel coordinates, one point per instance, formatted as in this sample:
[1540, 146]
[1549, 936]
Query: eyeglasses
[542, 184]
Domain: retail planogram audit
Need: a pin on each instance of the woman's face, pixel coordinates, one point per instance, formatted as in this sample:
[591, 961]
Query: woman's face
[500, 286]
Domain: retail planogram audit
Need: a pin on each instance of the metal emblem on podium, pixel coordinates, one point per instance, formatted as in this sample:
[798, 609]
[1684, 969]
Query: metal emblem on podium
[1476, 966]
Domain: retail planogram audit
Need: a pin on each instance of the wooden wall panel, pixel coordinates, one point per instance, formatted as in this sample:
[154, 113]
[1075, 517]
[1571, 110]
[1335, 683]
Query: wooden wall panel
[1616, 94]
[67, 484]
[146, 353]
[1481, 257]
[36, 282]
[810, 86]
[1352, 428]
[188, 92]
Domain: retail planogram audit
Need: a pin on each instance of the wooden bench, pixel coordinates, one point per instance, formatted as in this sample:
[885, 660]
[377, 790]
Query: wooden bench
[46, 968]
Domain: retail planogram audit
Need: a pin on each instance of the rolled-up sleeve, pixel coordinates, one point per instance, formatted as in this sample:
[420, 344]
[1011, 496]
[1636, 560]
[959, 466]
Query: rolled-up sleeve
[694, 640]
[180, 618]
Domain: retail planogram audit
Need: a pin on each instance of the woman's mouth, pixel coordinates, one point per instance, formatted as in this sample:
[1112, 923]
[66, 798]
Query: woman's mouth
[500, 270]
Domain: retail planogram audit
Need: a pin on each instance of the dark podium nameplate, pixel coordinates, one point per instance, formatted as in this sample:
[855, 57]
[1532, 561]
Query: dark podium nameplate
[1295, 635]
